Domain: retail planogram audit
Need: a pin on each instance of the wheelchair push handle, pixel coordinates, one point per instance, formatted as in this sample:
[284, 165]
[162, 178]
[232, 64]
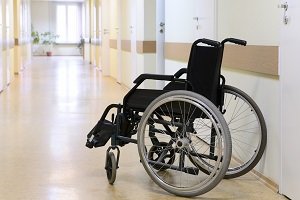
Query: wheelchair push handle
[235, 41]
[208, 42]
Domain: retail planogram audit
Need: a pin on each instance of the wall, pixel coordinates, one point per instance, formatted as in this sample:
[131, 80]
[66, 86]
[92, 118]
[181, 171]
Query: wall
[7, 42]
[14, 39]
[258, 22]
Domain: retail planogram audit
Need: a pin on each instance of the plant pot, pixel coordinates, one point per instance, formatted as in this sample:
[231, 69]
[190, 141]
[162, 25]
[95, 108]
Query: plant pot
[49, 53]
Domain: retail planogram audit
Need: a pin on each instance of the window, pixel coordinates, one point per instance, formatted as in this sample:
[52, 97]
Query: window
[68, 23]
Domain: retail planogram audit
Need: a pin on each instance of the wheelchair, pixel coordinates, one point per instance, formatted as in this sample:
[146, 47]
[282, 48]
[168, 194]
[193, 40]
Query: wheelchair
[192, 133]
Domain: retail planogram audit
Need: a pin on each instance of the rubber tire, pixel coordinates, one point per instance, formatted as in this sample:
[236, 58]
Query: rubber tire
[111, 168]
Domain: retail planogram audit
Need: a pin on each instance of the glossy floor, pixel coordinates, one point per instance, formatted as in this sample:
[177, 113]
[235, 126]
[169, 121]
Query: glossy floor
[45, 115]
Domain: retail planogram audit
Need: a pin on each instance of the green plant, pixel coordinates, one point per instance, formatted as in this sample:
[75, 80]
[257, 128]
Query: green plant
[48, 38]
[35, 36]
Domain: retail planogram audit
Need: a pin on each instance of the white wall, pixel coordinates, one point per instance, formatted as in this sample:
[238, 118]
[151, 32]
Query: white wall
[265, 91]
[40, 16]
[258, 22]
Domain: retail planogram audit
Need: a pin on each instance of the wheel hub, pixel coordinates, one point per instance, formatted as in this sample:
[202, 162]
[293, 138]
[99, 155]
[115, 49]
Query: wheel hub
[182, 143]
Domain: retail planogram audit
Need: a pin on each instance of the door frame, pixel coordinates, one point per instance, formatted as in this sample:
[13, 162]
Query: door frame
[289, 98]
[160, 41]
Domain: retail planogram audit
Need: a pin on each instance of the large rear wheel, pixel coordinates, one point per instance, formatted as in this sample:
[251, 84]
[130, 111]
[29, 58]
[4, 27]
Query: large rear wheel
[171, 123]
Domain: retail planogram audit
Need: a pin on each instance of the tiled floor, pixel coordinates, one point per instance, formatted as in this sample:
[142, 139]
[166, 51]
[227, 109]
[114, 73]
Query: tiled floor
[44, 117]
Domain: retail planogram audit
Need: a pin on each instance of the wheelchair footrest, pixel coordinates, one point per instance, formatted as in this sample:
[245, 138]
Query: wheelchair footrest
[100, 134]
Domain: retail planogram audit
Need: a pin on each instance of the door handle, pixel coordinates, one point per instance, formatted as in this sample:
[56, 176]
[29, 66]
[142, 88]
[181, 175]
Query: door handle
[285, 7]
[105, 31]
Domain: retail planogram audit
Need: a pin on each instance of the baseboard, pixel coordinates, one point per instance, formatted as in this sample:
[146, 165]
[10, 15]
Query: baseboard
[266, 181]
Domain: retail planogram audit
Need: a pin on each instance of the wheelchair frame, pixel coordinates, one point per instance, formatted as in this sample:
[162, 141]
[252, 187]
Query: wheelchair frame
[127, 120]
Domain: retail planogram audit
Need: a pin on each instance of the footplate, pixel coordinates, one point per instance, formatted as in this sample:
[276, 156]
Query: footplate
[100, 134]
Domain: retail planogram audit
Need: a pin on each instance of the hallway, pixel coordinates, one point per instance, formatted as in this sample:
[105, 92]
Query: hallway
[44, 117]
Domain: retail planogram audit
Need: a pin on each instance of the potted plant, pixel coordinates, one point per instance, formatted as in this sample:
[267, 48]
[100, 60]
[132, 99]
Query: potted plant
[48, 40]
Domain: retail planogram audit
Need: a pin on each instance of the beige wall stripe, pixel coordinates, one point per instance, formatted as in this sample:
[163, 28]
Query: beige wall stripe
[113, 44]
[146, 46]
[177, 51]
[261, 59]
[254, 58]
[16, 41]
[126, 45]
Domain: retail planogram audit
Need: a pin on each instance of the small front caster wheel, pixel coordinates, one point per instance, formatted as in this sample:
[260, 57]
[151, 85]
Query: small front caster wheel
[111, 167]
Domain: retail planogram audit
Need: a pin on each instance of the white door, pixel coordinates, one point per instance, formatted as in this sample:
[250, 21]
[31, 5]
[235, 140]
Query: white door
[115, 23]
[160, 40]
[105, 50]
[205, 19]
[1, 65]
[6, 40]
[119, 65]
[133, 39]
[100, 34]
[94, 57]
[290, 98]
[187, 21]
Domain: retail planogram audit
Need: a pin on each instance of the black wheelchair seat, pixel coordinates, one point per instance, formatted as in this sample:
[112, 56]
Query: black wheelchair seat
[141, 98]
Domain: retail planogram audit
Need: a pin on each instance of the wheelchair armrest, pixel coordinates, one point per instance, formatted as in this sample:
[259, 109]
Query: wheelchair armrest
[180, 72]
[143, 77]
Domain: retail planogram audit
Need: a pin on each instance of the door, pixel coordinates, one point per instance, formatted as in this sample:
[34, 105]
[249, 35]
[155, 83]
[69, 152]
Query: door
[94, 52]
[197, 20]
[115, 37]
[132, 28]
[290, 98]
[160, 41]
[205, 19]
[6, 38]
[99, 33]
[119, 65]
[105, 51]
[1, 65]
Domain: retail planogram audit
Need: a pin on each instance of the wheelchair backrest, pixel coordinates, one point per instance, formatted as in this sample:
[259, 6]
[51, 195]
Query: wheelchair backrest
[203, 71]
